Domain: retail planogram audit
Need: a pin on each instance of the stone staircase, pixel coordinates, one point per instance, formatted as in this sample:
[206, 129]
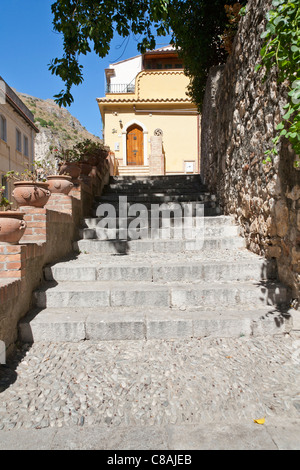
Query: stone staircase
[116, 288]
[133, 170]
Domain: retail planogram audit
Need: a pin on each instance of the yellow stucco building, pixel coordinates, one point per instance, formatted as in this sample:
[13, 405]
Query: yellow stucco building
[17, 134]
[149, 122]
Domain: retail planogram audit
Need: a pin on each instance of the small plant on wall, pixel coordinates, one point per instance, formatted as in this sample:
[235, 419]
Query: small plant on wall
[234, 14]
[281, 51]
[34, 175]
[4, 202]
[31, 189]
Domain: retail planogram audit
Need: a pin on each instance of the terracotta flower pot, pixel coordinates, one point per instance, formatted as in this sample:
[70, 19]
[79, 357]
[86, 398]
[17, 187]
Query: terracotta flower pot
[93, 161]
[70, 168]
[60, 184]
[85, 168]
[93, 172]
[12, 227]
[27, 193]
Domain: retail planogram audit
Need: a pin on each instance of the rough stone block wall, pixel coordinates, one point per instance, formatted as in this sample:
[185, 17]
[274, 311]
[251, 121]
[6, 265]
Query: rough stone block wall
[239, 119]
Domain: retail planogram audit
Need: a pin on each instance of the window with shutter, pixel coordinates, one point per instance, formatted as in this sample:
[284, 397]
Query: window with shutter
[18, 140]
[26, 146]
[3, 129]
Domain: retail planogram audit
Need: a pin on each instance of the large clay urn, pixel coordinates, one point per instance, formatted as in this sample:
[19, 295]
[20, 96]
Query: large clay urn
[12, 227]
[27, 193]
[71, 169]
[60, 184]
[85, 168]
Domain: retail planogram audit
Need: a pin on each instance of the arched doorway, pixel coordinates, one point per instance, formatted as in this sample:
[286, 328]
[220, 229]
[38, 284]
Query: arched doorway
[135, 145]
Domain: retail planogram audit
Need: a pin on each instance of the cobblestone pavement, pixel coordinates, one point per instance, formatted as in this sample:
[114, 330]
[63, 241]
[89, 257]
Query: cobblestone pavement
[151, 383]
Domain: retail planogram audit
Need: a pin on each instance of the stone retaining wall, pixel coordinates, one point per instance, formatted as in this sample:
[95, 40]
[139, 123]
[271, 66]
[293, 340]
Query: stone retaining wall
[240, 115]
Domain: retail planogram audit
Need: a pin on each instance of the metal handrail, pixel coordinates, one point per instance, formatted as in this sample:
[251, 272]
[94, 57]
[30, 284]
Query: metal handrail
[120, 88]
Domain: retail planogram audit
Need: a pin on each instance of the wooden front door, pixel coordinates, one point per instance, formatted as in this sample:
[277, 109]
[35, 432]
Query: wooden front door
[135, 145]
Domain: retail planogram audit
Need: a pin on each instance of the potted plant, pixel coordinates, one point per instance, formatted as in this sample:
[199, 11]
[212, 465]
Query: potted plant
[85, 158]
[93, 157]
[12, 225]
[58, 183]
[68, 162]
[30, 188]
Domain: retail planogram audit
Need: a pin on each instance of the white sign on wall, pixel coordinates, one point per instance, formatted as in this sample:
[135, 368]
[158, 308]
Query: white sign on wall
[189, 167]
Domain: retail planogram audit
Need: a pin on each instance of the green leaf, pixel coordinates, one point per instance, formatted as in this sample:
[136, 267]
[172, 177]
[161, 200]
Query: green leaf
[288, 114]
[265, 34]
[278, 20]
[271, 28]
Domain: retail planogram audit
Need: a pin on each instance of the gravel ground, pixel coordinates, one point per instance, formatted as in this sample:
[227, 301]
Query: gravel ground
[151, 383]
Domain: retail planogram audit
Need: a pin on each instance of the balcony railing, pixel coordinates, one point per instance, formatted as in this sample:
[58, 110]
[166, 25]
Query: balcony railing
[120, 88]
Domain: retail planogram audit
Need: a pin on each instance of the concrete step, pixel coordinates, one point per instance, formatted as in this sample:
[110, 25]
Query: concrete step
[162, 271]
[108, 324]
[209, 208]
[94, 246]
[172, 295]
[151, 204]
[154, 230]
[179, 184]
[156, 198]
[130, 188]
[210, 223]
[133, 170]
[158, 179]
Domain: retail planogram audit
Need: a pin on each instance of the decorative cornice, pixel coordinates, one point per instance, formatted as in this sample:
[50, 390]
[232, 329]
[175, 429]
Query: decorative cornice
[137, 101]
[21, 113]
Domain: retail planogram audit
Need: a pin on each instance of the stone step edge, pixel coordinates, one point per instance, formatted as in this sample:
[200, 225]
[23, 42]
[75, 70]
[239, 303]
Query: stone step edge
[174, 287]
[207, 203]
[159, 245]
[152, 271]
[155, 197]
[173, 240]
[172, 295]
[64, 325]
[211, 221]
[168, 177]
[147, 232]
[177, 190]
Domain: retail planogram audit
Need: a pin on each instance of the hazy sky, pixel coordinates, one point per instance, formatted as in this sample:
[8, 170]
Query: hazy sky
[28, 43]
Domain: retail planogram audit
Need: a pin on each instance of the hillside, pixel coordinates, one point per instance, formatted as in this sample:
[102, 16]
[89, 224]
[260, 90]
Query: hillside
[58, 128]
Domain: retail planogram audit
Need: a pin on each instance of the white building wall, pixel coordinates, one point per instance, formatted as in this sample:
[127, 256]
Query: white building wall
[126, 71]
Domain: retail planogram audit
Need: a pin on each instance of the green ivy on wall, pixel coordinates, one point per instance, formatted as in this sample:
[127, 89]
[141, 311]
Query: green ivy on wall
[281, 50]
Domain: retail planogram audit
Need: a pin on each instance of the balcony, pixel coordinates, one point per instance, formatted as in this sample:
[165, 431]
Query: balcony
[120, 88]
